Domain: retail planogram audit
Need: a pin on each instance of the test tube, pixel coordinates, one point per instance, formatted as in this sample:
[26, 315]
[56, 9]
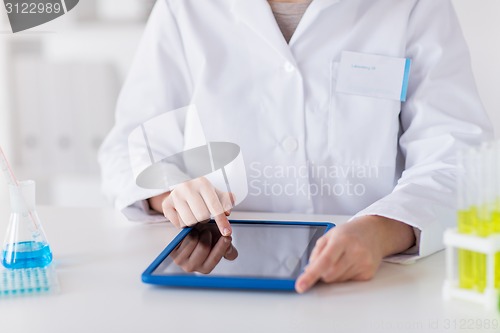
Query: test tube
[496, 181]
[479, 211]
[465, 217]
[486, 208]
[496, 211]
[487, 188]
[464, 280]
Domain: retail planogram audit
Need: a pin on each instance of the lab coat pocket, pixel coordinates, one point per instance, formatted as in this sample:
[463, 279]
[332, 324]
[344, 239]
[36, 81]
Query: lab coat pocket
[361, 129]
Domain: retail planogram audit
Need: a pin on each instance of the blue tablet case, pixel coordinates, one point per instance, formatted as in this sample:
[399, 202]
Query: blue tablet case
[221, 282]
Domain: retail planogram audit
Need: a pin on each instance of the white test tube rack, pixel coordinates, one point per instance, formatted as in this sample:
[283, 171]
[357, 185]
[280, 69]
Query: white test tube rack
[490, 245]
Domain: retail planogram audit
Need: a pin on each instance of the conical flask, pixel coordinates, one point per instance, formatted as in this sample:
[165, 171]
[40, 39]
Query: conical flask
[25, 244]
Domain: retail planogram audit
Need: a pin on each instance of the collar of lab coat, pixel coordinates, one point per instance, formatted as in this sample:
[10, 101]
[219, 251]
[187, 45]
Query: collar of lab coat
[258, 16]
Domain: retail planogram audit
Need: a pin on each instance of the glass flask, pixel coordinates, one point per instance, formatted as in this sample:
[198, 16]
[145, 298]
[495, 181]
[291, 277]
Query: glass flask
[25, 244]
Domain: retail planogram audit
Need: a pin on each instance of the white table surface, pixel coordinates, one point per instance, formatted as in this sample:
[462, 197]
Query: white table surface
[99, 258]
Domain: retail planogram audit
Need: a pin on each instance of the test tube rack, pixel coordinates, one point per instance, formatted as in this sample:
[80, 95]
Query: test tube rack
[489, 246]
[472, 249]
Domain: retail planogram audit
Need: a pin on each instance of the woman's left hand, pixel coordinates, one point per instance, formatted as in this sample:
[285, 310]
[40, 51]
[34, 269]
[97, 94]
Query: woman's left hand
[354, 251]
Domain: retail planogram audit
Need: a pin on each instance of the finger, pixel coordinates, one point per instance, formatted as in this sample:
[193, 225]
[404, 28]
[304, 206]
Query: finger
[186, 215]
[311, 275]
[214, 205]
[216, 254]
[211, 199]
[228, 211]
[223, 225]
[200, 253]
[171, 214]
[318, 248]
[226, 199]
[174, 218]
[198, 207]
[316, 268]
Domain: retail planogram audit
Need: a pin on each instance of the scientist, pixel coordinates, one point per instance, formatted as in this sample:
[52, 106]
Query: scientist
[330, 116]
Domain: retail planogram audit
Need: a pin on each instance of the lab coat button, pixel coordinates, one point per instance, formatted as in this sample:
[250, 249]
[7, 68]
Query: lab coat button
[290, 144]
[289, 67]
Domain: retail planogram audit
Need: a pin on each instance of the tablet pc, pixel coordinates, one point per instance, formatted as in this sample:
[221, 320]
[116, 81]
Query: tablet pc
[266, 255]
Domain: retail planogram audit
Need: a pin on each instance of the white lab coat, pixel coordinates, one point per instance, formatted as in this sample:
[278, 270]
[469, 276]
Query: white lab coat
[279, 103]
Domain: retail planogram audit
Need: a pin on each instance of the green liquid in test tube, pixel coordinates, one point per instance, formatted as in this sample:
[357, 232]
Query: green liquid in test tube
[479, 212]
[496, 225]
[465, 257]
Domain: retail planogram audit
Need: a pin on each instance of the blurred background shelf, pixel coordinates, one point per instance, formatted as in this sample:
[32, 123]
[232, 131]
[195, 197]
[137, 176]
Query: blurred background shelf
[58, 88]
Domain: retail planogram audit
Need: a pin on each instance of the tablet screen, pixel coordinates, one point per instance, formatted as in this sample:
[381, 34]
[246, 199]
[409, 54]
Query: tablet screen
[254, 251]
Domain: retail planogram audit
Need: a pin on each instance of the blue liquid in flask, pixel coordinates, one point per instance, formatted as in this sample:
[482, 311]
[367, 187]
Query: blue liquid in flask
[25, 243]
[27, 254]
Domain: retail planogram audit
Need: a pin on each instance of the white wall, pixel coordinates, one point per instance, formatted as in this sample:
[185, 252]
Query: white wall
[481, 28]
[86, 46]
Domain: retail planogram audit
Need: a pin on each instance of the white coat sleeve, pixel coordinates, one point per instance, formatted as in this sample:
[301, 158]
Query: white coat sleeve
[443, 114]
[158, 82]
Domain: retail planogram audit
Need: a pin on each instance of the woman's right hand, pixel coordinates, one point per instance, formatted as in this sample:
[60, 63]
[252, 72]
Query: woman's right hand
[195, 201]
